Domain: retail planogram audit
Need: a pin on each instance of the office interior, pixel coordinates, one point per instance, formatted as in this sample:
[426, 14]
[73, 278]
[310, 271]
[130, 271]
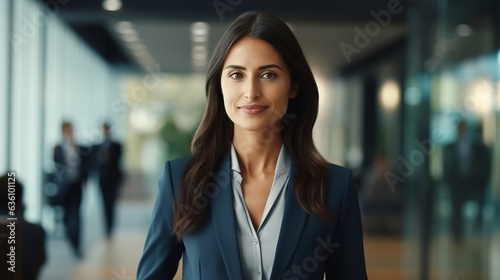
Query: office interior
[395, 80]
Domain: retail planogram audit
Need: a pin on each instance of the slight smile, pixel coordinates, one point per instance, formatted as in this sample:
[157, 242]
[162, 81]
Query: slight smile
[252, 109]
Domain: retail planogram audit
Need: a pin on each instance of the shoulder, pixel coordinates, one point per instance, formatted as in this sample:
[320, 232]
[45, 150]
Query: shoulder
[338, 174]
[178, 164]
[34, 230]
[116, 144]
[340, 184]
[337, 169]
[175, 168]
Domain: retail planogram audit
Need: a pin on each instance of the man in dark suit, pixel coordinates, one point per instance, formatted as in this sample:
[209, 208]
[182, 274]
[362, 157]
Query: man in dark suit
[107, 159]
[29, 252]
[466, 174]
[71, 173]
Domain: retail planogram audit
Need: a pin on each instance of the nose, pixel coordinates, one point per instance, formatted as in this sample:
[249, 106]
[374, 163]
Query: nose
[252, 89]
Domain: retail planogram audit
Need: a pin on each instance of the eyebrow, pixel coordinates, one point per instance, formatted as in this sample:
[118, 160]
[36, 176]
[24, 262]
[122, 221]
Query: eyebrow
[260, 68]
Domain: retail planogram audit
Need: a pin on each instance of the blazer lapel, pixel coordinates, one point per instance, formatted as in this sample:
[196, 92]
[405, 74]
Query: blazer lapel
[292, 225]
[223, 219]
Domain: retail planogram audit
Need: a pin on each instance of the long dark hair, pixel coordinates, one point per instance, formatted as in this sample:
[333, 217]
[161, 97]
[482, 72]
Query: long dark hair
[212, 140]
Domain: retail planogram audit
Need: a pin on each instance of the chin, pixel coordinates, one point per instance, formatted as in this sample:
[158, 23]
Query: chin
[258, 127]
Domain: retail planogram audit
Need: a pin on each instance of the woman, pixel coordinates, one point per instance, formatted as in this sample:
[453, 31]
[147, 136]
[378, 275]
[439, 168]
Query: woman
[256, 200]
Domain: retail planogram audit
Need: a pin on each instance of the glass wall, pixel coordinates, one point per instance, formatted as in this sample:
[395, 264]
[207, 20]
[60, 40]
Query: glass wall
[4, 74]
[27, 93]
[55, 77]
[451, 140]
[463, 129]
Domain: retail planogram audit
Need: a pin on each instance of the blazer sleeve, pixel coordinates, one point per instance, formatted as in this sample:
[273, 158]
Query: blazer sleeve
[348, 259]
[162, 251]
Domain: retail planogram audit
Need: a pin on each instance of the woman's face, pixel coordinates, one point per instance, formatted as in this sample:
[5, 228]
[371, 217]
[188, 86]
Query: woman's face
[256, 85]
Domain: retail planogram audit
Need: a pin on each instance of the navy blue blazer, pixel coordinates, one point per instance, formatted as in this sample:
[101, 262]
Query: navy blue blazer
[307, 247]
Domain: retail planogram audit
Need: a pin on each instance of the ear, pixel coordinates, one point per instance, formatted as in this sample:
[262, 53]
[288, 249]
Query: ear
[294, 91]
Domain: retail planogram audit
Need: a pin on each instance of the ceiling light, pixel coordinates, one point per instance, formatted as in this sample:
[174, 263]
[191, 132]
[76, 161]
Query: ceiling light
[112, 5]
[199, 48]
[124, 26]
[197, 62]
[199, 38]
[140, 53]
[199, 56]
[199, 53]
[200, 28]
[127, 31]
[147, 58]
[389, 95]
[198, 68]
[199, 31]
[136, 46]
[146, 62]
[131, 37]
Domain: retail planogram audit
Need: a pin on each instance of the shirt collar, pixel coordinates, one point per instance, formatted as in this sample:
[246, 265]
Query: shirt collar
[282, 165]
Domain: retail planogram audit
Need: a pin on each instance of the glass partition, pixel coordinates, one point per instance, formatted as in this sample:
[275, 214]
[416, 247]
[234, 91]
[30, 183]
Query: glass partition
[451, 99]
[55, 76]
[26, 101]
[463, 131]
[4, 91]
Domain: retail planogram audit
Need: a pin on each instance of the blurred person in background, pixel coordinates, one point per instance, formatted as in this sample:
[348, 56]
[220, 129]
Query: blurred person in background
[256, 200]
[466, 175]
[107, 157]
[381, 203]
[29, 238]
[71, 162]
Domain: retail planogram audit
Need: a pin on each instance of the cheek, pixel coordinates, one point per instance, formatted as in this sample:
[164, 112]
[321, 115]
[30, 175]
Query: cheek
[228, 102]
[283, 98]
[224, 94]
[227, 92]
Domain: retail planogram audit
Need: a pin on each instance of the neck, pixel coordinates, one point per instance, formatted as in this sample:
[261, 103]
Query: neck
[68, 139]
[257, 151]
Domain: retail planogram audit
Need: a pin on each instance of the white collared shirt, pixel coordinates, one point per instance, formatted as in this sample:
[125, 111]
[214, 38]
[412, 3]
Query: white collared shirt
[258, 247]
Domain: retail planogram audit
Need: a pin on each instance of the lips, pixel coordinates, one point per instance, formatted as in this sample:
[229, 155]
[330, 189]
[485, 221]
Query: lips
[252, 109]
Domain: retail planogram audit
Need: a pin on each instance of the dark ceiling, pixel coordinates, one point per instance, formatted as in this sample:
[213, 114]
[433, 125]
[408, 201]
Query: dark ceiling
[88, 19]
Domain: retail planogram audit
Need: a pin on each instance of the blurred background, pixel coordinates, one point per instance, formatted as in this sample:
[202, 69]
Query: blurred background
[409, 100]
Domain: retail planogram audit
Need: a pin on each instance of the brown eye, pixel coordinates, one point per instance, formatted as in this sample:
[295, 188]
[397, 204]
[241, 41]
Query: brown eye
[268, 75]
[235, 75]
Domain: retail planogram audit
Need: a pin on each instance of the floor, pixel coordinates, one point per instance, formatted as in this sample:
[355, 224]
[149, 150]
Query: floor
[113, 259]
[117, 258]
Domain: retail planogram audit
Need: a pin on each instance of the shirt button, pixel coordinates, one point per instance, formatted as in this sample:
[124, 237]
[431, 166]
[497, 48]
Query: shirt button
[255, 241]
[258, 271]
